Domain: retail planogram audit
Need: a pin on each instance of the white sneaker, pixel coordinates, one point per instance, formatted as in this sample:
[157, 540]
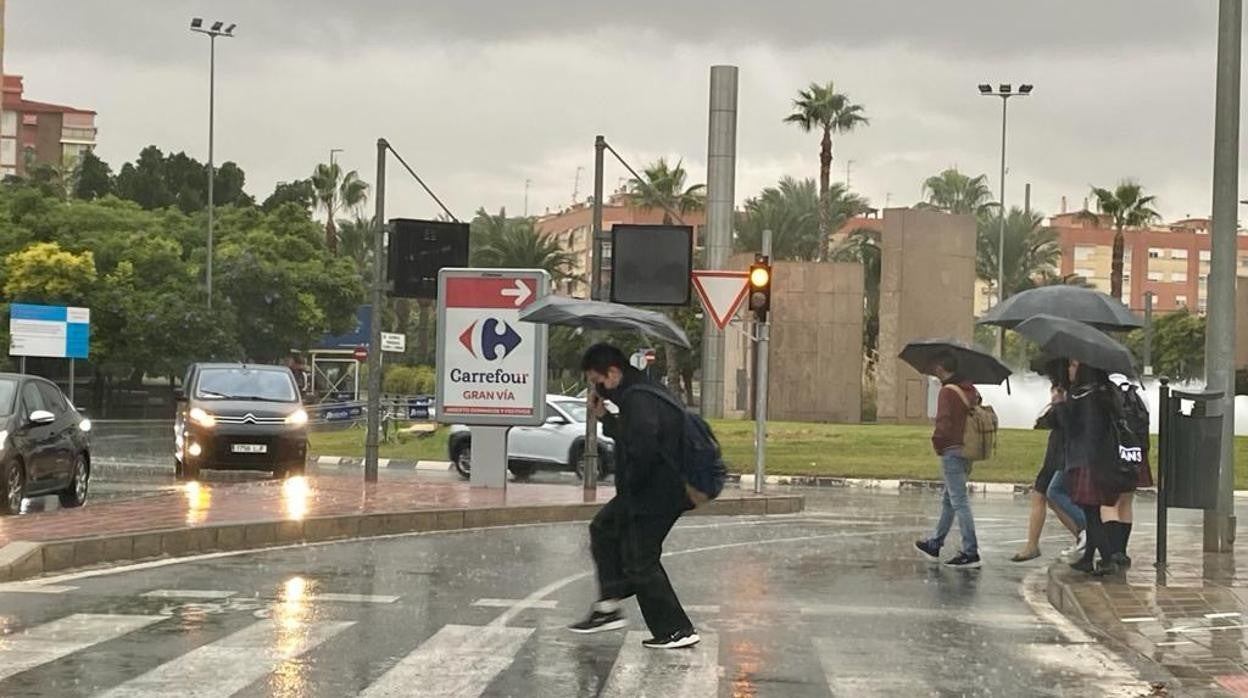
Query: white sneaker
[1081, 544]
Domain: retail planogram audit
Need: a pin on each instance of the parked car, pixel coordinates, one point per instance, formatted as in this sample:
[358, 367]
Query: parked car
[44, 444]
[558, 444]
[239, 417]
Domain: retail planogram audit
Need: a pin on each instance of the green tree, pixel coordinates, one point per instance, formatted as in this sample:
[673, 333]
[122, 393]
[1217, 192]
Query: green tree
[335, 191]
[953, 192]
[1128, 207]
[45, 273]
[1178, 345]
[790, 210]
[662, 186]
[519, 244]
[1032, 251]
[155, 181]
[95, 178]
[822, 108]
[299, 192]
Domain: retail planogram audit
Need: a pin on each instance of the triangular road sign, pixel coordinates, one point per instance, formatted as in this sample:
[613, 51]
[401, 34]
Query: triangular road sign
[721, 293]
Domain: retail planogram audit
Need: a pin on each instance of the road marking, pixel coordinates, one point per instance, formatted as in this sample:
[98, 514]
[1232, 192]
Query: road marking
[856, 670]
[62, 637]
[1141, 619]
[32, 588]
[459, 660]
[709, 609]
[188, 594]
[1174, 643]
[545, 604]
[1208, 628]
[645, 673]
[1227, 614]
[229, 665]
[351, 598]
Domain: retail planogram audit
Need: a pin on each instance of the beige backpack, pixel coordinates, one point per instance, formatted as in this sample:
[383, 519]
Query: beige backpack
[979, 439]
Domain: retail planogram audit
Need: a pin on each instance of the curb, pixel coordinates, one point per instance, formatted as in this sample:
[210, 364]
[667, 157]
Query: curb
[1062, 594]
[385, 463]
[874, 484]
[22, 560]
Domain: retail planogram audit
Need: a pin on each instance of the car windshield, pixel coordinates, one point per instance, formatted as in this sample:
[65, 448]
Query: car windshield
[245, 384]
[8, 391]
[575, 410]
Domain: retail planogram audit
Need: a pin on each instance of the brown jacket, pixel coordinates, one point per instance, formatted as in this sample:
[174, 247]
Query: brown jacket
[951, 414]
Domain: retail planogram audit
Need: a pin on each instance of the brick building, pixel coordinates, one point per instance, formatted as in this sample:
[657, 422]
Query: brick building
[40, 133]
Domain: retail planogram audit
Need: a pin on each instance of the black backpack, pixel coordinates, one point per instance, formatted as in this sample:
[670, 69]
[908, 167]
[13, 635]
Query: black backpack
[1135, 412]
[701, 462]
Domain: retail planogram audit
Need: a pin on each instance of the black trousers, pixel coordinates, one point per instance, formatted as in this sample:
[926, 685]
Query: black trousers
[626, 549]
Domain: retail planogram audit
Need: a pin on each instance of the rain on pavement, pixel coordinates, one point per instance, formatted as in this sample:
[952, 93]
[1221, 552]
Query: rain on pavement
[832, 601]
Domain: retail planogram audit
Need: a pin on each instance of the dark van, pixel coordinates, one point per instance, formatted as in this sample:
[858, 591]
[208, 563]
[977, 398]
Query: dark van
[239, 417]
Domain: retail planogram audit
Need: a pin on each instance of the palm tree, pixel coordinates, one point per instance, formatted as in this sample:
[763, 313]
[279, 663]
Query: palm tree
[517, 243]
[1129, 208]
[1032, 251]
[822, 107]
[953, 192]
[663, 187]
[790, 210]
[355, 241]
[334, 192]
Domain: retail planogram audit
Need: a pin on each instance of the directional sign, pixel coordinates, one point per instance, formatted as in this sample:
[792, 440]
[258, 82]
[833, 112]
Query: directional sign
[721, 293]
[491, 366]
[393, 341]
[49, 330]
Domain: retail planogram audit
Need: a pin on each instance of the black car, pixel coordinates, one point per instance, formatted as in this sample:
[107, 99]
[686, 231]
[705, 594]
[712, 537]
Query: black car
[239, 417]
[44, 447]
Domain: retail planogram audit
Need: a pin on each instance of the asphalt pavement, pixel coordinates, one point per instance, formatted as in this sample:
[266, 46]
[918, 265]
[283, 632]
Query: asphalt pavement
[832, 601]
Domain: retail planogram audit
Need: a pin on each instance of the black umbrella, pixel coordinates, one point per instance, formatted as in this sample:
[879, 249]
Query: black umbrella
[1059, 337]
[1071, 302]
[973, 364]
[597, 315]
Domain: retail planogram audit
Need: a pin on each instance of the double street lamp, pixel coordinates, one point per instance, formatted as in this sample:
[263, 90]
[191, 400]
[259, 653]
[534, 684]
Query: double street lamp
[1005, 90]
[212, 32]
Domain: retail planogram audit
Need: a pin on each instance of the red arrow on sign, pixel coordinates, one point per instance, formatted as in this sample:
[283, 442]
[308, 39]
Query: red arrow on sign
[721, 293]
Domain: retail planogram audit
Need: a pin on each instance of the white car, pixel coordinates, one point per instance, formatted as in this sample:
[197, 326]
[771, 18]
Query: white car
[557, 444]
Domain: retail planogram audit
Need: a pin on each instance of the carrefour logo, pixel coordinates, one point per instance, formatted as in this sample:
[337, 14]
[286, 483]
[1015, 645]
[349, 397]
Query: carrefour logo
[490, 339]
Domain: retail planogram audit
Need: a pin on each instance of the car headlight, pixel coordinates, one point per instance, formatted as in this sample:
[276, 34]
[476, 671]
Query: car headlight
[202, 418]
[4, 439]
[297, 418]
[85, 424]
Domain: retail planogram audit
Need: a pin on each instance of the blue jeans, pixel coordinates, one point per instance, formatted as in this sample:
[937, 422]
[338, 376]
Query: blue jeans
[956, 469]
[1061, 498]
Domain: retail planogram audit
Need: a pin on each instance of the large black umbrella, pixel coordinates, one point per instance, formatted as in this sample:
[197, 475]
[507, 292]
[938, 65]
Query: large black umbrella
[1071, 302]
[1059, 337]
[597, 315]
[973, 364]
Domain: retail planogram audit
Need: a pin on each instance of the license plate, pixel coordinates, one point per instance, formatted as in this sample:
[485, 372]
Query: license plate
[250, 448]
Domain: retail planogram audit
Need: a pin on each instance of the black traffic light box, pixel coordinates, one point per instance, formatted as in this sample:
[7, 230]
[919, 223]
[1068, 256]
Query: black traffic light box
[419, 249]
[651, 264]
[760, 286]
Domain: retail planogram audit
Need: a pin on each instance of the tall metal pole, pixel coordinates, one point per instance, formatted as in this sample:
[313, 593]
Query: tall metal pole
[1220, 343]
[760, 389]
[374, 335]
[1148, 333]
[589, 473]
[721, 168]
[212, 173]
[1001, 233]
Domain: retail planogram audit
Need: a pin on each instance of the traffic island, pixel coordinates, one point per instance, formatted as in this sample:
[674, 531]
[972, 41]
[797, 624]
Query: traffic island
[216, 517]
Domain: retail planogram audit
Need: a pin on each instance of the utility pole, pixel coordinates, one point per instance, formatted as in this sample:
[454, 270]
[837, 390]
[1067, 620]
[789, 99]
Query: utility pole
[849, 165]
[371, 445]
[527, 183]
[1219, 528]
[762, 349]
[721, 173]
[589, 472]
[1148, 333]
[212, 32]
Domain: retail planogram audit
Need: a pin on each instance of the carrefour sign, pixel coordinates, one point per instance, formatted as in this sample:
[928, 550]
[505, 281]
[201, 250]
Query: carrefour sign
[491, 366]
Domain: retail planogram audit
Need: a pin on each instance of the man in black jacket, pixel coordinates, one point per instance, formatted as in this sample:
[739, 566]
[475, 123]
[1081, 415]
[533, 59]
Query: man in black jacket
[626, 537]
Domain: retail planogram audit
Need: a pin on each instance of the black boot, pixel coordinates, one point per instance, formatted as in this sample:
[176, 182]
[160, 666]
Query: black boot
[1124, 538]
[1095, 533]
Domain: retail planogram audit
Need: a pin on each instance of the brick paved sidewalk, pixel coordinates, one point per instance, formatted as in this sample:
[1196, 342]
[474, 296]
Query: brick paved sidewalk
[201, 517]
[1191, 619]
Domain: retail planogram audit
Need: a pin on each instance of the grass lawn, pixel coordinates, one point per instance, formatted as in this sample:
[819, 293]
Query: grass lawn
[839, 450]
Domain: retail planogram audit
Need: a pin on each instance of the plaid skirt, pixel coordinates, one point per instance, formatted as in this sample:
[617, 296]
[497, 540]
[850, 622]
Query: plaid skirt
[1085, 491]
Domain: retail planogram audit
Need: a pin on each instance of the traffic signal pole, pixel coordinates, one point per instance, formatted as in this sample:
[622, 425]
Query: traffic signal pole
[371, 437]
[762, 346]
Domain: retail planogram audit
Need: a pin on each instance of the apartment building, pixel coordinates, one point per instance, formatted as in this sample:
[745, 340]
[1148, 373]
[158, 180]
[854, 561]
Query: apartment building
[40, 133]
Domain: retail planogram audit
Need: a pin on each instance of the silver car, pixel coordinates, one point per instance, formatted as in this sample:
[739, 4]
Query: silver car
[558, 444]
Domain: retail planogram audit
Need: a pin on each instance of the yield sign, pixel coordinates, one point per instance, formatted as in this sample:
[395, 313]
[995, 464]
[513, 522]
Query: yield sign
[721, 293]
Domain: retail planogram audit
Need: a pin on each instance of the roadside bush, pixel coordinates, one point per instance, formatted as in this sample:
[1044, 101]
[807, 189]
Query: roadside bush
[409, 380]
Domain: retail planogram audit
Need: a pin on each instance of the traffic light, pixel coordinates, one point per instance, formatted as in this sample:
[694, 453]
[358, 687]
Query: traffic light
[760, 286]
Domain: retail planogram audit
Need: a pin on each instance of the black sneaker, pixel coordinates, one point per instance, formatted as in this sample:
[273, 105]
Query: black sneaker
[1122, 560]
[929, 551]
[599, 622]
[677, 640]
[964, 561]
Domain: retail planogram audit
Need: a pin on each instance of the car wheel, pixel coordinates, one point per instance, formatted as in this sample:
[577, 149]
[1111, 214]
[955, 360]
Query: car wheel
[283, 472]
[188, 472]
[14, 489]
[522, 471]
[76, 494]
[462, 459]
[578, 460]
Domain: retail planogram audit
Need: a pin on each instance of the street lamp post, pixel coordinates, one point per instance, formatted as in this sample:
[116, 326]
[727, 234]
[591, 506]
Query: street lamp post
[212, 32]
[1004, 91]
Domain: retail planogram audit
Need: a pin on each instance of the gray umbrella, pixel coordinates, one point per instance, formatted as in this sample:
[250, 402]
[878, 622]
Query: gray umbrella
[973, 364]
[1071, 302]
[1062, 338]
[597, 315]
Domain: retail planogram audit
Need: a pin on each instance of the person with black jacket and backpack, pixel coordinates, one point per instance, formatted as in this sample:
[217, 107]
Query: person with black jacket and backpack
[626, 536]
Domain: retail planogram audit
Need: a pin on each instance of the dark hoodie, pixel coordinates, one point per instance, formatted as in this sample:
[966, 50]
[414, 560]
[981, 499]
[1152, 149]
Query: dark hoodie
[951, 414]
[647, 434]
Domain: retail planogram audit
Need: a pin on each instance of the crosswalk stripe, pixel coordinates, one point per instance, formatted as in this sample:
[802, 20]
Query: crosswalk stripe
[227, 666]
[62, 637]
[459, 660]
[30, 588]
[351, 598]
[508, 603]
[861, 672]
[188, 594]
[645, 673]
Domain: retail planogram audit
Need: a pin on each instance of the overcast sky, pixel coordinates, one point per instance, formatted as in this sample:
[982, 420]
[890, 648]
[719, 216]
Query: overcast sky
[481, 95]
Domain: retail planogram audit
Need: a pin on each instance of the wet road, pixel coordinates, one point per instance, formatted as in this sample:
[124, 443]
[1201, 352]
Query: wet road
[829, 602]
